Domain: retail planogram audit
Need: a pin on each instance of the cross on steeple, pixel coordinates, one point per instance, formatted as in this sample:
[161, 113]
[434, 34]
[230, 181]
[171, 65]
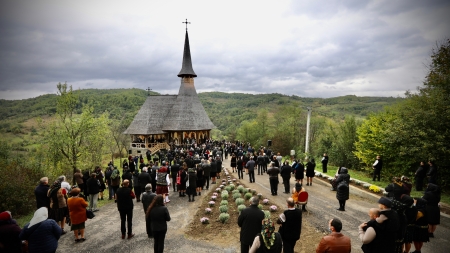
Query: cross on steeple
[148, 90]
[186, 23]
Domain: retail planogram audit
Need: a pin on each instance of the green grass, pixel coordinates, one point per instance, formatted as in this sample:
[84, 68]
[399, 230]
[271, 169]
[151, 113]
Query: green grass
[366, 176]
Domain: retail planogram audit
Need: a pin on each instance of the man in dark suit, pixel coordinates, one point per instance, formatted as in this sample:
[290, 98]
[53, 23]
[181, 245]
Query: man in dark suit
[124, 197]
[147, 198]
[377, 166]
[325, 163]
[291, 226]
[250, 221]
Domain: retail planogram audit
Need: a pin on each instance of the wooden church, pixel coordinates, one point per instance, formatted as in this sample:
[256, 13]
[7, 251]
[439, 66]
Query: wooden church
[171, 119]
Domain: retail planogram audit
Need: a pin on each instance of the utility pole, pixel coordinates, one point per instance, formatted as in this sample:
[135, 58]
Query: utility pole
[307, 130]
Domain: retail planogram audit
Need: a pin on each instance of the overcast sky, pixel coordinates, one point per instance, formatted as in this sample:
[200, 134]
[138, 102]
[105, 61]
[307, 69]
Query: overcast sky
[309, 48]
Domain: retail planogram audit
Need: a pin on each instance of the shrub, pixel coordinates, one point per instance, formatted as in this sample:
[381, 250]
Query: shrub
[273, 208]
[259, 195]
[265, 201]
[224, 203]
[241, 207]
[208, 210]
[244, 191]
[224, 195]
[240, 188]
[224, 191]
[228, 188]
[239, 201]
[232, 186]
[247, 196]
[204, 220]
[235, 191]
[260, 206]
[236, 195]
[374, 188]
[211, 203]
[223, 217]
[266, 214]
[253, 191]
[218, 189]
[223, 209]
[366, 185]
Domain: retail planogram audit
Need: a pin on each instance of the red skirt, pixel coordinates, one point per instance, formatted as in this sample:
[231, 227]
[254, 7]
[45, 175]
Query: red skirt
[162, 189]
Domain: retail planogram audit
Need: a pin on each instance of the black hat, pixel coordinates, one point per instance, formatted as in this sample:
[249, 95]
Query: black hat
[385, 201]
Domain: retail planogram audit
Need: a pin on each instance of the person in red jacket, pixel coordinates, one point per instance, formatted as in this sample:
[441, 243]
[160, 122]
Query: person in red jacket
[77, 211]
[9, 233]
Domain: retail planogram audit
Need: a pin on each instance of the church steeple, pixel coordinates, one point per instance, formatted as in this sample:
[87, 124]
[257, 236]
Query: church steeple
[186, 69]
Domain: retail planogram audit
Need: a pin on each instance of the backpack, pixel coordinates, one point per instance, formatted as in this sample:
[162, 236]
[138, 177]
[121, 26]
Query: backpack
[108, 174]
[114, 174]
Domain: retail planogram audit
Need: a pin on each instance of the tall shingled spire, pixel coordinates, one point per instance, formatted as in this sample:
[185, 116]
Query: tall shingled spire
[186, 69]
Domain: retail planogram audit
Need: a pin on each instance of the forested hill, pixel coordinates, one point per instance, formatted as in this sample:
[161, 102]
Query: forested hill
[224, 109]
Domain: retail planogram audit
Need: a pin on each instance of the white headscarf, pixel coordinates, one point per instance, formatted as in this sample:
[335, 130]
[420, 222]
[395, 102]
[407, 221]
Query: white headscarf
[39, 216]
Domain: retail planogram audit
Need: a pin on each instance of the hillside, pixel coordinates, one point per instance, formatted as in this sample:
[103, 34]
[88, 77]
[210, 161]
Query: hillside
[226, 110]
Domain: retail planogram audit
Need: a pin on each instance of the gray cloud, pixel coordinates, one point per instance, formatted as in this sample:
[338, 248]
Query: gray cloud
[306, 48]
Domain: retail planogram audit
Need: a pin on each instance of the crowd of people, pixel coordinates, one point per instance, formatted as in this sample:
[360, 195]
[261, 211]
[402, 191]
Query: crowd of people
[397, 223]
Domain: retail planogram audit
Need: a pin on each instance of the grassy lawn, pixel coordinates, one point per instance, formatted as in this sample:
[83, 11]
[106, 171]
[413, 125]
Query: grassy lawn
[366, 176]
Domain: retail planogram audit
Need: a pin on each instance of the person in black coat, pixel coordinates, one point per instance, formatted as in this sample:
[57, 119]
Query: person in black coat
[41, 194]
[250, 223]
[192, 181]
[291, 226]
[93, 186]
[377, 166]
[124, 197]
[147, 198]
[144, 179]
[158, 215]
[285, 173]
[174, 172]
[325, 163]
[433, 197]
[310, 167]
[240, 167]
[432, 173]
[128, 176]
[419, 176]
[343, 189]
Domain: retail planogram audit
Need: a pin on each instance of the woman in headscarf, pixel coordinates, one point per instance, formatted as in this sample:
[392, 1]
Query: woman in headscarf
[9, 234]
[343, 190]
[41, 233]
[58, 205]
[310, 167]
[77, 210]
[433, 197]
[268, 240]
[158, 215]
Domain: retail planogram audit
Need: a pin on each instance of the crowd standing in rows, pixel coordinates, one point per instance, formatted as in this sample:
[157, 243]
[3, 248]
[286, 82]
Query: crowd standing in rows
[397, 223]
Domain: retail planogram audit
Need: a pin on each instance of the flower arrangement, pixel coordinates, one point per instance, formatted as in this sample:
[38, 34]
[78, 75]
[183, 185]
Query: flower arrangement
[208, 210]
[215, 194]
[366, 185]
[218, 189]
[204, 220]
[374, 188]
[259, 195]
[224, 202]
[236, 195]
[248, 195]
[213, 198]
[265, 201]
[223, 217]
[357, 182]
[234, 179]
[222, 186]
[273, 208]
[266, 214]
[239, 201]
[330, 179]
[260, 206]
[223, 180]
[211, 203]
[241, 207]
[223, 209]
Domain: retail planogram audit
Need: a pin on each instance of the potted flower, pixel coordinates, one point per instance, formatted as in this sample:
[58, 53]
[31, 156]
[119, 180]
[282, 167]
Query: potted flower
[265, 201]
[259, 195]
[273, 208]
[211, 203]
[213, 198]
[208, 210]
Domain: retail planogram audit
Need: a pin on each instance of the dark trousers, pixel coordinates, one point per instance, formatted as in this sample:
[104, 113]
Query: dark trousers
[288, 246]
[137, 191]
[207, 177]
[159, 237]
[324, 168]
[342, 204]
[153, 182]
[251, 175]
[245, 248]
[260, 169]
[265, 167]
[240, 173]
[286, 185]
[126, 215]
[273, 185]
[419, 183]
[115, 189]
[376, 173]
[174, 182]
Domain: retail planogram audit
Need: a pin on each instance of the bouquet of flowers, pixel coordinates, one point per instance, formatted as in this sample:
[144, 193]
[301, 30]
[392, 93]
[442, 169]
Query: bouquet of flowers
[273, 208]
[265, 201]
[211, 203]
[207, 210]
[213, 197]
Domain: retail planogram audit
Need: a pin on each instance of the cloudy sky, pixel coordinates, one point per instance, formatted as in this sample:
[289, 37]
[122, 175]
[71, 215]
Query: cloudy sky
[310, 48]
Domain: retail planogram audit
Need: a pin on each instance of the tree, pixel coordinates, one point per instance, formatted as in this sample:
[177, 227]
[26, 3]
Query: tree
[76, 140]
